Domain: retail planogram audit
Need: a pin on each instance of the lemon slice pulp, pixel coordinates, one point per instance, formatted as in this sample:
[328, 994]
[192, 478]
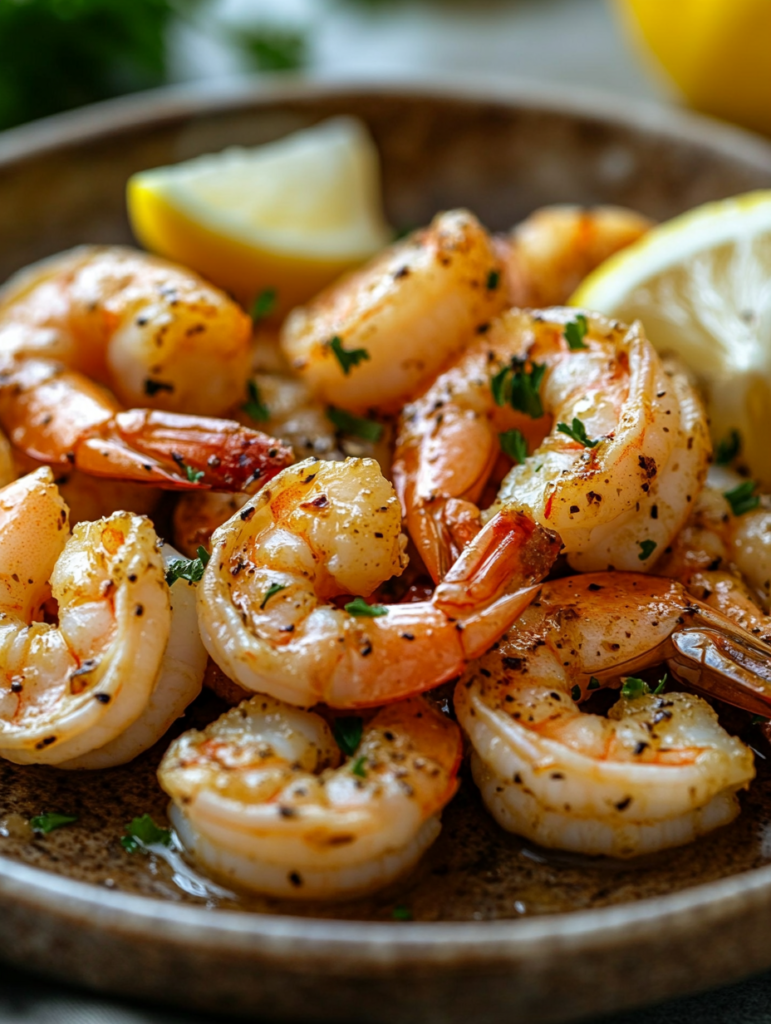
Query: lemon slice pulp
[289, 215]
[701, 284]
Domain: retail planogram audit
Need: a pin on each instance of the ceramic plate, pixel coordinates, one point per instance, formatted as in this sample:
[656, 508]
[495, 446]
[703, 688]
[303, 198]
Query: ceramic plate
[502, 930]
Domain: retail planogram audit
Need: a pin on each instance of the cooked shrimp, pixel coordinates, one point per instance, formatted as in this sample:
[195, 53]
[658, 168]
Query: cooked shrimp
[155, 333]
[61, 418]
[548, 255]
[401, 317]
[74, 687]
[617, 494]
[659, 770]
[325, 529]
[262, 800]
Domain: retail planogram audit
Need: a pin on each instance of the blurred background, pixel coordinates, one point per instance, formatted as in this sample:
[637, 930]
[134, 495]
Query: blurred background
[710, 54]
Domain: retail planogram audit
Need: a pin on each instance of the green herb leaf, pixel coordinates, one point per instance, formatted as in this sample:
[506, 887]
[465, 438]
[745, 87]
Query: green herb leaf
[360, 607]
[575, 693]
[254, 406]
[48, 821]
[264, 304]
[633, 687]
[141, 832]
[493, 280]
[575, 332]
[190, 569]
[647, 547]
[594, 683]
[577, 432]
[661, 684]
[513, 443]
[356, 426]
[520, 387]
[348, 358]
[401, 914]
[274, 588]
[193, 475]
[742, 499]
[273, 48]
[358, 766]
[347, 732]
[727, 449]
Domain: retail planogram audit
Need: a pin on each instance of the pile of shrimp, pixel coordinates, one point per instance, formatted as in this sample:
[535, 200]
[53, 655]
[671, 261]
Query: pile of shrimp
[433, 473]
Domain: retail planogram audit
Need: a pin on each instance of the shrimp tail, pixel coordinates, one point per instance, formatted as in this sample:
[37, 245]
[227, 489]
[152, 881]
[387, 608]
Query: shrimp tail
[180, 452]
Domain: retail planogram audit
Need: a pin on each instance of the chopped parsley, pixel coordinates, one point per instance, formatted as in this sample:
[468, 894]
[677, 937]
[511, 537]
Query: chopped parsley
[194, 475]
[513, 443]
[273, 589]
[633, 687]
[358, 766]
[519, 387]
[347, 732]
[356, 426]
[190, 569]
[360, 607]
[49, 821]
[575, 332]
[401, 914]
[577, 432]
[264, 304]
[493, 280]
[594, 683]
[254, 405]
[742, 499]
[348, 358]
[142, 832]
[575, 693]
[727, 449]
[647, 547]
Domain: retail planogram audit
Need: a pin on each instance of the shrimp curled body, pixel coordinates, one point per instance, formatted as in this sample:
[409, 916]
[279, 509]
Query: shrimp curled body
[325, 529]
[658, 771]
[261, 798]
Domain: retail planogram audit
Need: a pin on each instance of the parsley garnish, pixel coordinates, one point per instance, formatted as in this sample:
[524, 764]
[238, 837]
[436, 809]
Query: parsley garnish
[274, 588]
[347, 732]
[273, 47]
[193, 475]
[577, 432]
[633, 687]
[347, 358]
[254, 406]
[594, 683]
[727, 449]
[575, 693]
[741, 498]
[141, 832]
[360, 607]
[190, 569]
[513, 443]
[264, 304]
[647, 547]
[519, 387]
[401, 914]
[575, 332]
[356, 426]
[358, 766]
[47, 822]
[493, 280]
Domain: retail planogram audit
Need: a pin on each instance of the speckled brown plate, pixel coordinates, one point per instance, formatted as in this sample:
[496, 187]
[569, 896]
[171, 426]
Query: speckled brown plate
[502, 930]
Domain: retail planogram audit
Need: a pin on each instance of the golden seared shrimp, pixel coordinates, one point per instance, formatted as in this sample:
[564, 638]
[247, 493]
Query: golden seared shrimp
[264, 800]
[117, 662]
[613, 450]
[376, 336]
[659, 770]
[60, 417]
[548, 255]
[326, 529]
[155, 333]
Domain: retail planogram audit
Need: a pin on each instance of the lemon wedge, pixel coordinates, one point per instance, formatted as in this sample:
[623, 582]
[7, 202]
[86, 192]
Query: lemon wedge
[288, 216]
[701, 285]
